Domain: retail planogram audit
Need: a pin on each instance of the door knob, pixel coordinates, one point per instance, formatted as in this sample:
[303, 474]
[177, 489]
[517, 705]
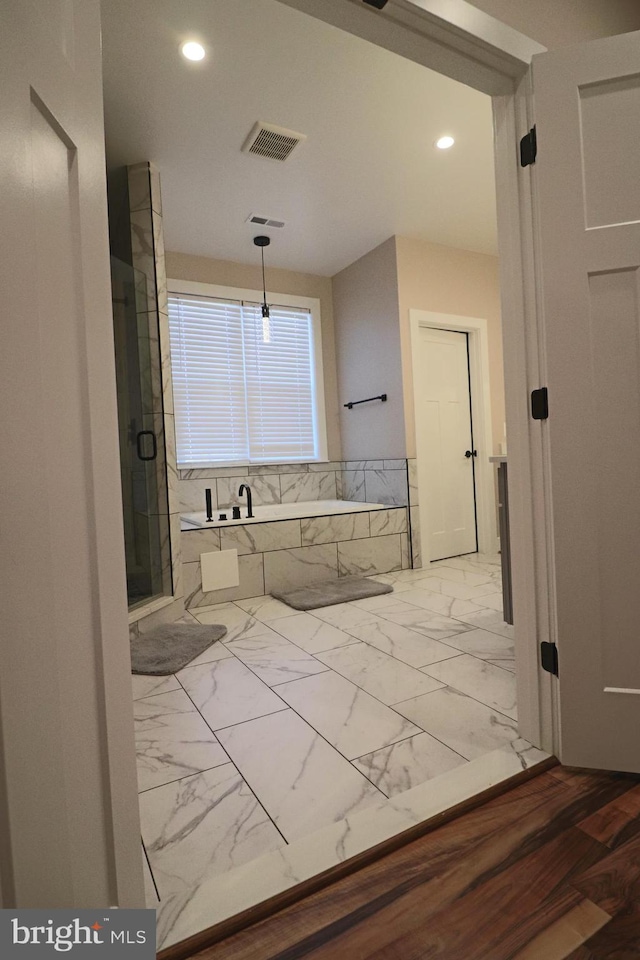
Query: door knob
[470, 453]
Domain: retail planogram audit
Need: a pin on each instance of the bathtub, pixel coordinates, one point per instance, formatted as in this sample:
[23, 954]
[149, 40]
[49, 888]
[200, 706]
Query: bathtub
[279, 511]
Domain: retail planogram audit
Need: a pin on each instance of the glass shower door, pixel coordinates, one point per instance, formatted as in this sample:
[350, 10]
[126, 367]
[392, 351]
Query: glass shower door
[141, 430]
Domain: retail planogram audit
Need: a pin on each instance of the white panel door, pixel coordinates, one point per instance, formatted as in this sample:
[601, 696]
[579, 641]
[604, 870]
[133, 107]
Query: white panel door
[447, 444]
[69, 824]
[587, 181]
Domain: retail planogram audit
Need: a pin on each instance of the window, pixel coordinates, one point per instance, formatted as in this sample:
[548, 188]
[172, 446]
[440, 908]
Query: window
[246, 389]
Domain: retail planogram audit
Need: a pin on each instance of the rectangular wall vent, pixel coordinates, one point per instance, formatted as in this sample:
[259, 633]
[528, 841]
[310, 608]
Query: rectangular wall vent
[264, 221]
[274, 143]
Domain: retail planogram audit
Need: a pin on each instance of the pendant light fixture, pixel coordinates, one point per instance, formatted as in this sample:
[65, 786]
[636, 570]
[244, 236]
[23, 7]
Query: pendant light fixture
[263, 242]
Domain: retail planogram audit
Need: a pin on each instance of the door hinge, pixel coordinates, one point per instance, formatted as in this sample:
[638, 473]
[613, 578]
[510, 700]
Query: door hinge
[528, 148]
[549, 657]
[540, 404]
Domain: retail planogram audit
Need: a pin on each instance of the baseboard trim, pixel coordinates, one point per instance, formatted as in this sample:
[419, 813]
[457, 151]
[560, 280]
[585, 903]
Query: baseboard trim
[211, 936]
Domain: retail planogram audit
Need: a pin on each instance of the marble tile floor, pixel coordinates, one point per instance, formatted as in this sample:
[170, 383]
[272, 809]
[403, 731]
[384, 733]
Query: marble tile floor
[299, 725]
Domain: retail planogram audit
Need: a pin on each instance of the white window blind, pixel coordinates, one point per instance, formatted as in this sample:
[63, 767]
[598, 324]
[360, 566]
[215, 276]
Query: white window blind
[244, 387]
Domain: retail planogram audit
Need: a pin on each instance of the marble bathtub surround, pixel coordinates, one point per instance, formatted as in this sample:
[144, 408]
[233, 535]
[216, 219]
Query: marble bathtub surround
[384, 677]
[344, 714]
[280, 554]
[172, 740]
[302, 781]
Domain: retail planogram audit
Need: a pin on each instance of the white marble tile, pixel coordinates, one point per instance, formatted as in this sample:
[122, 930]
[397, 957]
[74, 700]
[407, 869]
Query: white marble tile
[385, 601]
[489, 620]
[492, 601]
[505, 664]
[328, 465]
[239, 622]
[226, 692]
[150, 893]
[172, 740]
[263, 490]
[470, 577]
[144, 686]
[405, 551]
[296, 487]
[314, 785]
[413, 482]
[192, 496]
[404, 765]
[195, 542]
[211, 473]
[384, 677]
[451, 788]
[351, 720]
[252, 883]
[363, 464]
[474, 563]
[266, 608]
[418, 596]
[483, 644]
[353, 485]
[467, 726]
[386, 486]
[494, 687]
[344, 615]
[275, 659]
[311, 634]
[403, 644]
[344, 526]
[258, 537]
[285, 569]
[371, 556]
[430, 624]
[388, 521]
[449, 588]
[199, 828]
[262, 469]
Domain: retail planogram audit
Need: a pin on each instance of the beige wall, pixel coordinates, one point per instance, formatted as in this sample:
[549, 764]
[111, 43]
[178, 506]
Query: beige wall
[369, 355]
[447, 280]
[182, 266]
[558, 22]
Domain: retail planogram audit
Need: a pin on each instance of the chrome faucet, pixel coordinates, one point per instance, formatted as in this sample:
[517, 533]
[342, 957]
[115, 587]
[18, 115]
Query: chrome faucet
[245, 488]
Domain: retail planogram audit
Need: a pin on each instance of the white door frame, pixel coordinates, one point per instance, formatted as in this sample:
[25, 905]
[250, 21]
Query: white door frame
[476, 329]
[461, 42]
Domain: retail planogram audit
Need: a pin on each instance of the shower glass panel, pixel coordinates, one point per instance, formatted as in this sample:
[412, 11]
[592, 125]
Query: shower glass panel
[141, 430]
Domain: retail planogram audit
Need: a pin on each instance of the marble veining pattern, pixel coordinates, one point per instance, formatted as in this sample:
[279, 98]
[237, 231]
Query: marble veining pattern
[362, 749]
[314, 785]
[351, 720]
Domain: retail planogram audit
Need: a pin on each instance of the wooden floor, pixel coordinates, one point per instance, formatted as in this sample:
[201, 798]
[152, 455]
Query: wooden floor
[549, 870]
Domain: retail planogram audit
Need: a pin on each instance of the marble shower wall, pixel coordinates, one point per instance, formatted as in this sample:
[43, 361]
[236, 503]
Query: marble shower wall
[147, 246]
[414, 514]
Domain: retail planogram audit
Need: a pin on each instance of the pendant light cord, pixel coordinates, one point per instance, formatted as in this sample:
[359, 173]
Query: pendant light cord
[264, 285]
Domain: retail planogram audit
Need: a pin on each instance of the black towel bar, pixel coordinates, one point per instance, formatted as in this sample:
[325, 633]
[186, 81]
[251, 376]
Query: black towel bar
[353, 403]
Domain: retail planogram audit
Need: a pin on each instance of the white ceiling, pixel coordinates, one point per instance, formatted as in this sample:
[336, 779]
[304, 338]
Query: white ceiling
[367, 170]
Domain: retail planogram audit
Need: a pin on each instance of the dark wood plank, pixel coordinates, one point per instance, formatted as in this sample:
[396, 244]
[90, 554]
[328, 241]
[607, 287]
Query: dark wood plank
[422, 879]
[617, 822]
[614, 882]
[490, 918]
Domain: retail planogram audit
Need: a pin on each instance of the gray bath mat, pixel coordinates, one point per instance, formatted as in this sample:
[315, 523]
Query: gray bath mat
[170, 647]
[328, 592]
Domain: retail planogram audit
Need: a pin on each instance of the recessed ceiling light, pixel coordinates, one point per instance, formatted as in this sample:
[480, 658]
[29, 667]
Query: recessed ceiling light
[443, 143]
[193, 50]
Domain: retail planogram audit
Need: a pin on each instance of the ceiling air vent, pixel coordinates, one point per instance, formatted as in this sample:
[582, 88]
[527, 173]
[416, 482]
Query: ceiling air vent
[274, 143]
[264, 221]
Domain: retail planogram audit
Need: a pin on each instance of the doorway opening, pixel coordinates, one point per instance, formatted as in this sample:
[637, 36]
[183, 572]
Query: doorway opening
[441, 640]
